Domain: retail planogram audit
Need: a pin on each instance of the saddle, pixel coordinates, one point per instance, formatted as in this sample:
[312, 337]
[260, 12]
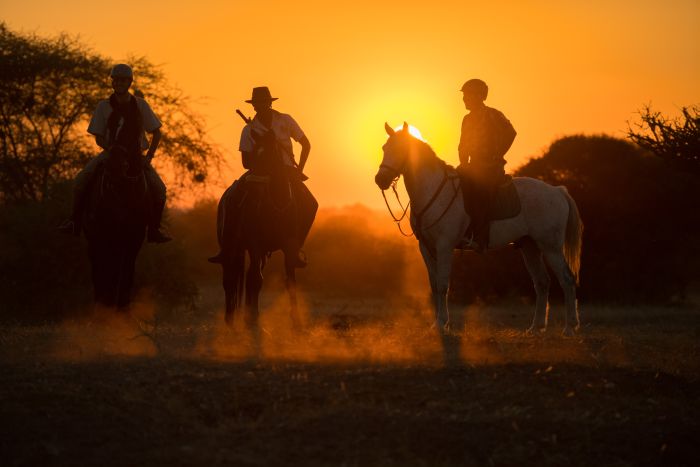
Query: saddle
[506, 202]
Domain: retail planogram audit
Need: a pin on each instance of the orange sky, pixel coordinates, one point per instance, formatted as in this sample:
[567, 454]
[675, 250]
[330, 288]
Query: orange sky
[553, 67]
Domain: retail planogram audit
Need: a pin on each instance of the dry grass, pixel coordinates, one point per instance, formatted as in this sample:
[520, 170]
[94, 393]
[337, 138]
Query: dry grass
[365, 384]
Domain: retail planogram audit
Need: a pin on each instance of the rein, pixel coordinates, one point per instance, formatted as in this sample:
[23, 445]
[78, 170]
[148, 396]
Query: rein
[447, 208]
[420, 214]
[405, 210]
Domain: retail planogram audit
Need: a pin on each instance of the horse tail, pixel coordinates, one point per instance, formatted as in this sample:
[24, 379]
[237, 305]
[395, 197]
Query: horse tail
[573, 237]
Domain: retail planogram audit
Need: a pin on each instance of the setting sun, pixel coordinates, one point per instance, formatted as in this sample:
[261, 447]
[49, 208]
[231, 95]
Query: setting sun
[415, 132]
[551, 75]
[216, 249]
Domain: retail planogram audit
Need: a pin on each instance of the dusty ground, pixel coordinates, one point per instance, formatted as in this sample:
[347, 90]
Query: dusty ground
[365, 384]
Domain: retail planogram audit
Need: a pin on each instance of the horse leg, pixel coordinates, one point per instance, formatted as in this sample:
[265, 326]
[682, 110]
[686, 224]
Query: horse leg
[430, 266]
[532, 255]
[126, 280]
[442, 282]
[229, 298]
[233, 276]
[439, 265]
[105, 275]
[290, 255]
[567, 281]
[128, 268]
[254, 280]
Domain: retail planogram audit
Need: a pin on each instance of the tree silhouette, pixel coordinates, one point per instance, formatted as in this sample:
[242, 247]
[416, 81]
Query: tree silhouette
[676, 141]
[49, 88]
[640, 216]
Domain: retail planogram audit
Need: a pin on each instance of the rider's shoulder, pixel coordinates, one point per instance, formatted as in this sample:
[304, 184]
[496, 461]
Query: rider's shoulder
[495, 113]
[281, 116]
[103, 105]
[142, 103]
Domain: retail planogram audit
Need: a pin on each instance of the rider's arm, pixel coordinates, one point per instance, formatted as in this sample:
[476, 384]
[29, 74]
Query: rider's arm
[155, 141]
[101, 141]
[305, 149]
[462, 148]
[507, 136]
[247, 159]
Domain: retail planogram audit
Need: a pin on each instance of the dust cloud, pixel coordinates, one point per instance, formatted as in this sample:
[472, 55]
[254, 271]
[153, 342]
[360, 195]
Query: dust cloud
[107, 332]
[364, 298]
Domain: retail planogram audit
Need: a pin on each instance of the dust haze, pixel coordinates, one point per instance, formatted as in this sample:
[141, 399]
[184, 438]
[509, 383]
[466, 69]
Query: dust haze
[364, 299]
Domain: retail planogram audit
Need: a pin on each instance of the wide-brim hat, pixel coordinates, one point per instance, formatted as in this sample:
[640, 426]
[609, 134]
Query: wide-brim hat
[261, 94]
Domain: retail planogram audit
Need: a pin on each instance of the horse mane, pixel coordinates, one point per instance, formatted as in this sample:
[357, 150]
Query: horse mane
[427, 153]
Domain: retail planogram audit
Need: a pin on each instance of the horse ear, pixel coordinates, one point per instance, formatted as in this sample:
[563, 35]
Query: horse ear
[389, 131]
[405, 126]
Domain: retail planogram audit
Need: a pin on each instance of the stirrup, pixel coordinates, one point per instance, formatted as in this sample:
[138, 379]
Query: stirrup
[469, 243]
[69, 227]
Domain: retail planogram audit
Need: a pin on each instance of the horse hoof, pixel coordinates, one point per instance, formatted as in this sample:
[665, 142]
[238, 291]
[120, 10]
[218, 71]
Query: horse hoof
[440, 326]
[568, 332]
[534, 331]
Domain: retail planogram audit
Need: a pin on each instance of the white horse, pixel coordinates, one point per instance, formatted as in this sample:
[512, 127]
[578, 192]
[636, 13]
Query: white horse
[548, 227]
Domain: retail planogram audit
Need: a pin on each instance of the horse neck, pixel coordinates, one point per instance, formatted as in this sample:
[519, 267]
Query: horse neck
[423, 178]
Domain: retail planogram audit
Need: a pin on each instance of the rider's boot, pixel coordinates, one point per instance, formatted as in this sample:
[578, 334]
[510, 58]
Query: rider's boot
[300, 259]
[72, 225]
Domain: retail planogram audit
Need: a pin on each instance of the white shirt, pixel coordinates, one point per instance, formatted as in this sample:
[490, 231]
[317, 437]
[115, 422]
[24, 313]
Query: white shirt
[285, 129]
[98, 123]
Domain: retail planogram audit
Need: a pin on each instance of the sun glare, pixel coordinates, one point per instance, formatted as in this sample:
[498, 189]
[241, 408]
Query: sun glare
[413, 131]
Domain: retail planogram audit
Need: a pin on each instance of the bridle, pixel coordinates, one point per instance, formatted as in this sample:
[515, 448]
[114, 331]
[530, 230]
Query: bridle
[419, 214]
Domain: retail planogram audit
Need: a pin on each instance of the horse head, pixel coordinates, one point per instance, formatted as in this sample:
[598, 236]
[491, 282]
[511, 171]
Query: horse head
[396, 155]
[122, 165]
[268, 159]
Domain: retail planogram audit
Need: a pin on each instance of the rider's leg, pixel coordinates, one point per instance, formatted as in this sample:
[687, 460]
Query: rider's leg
[72, 225]
[156, 193]
[477, 211]
[491, 180]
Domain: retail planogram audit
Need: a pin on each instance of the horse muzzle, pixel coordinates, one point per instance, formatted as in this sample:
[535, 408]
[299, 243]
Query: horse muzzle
[384, 178]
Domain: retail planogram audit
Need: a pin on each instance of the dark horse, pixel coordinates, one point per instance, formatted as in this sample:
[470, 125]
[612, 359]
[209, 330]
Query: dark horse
[115, 226]
[257, 214]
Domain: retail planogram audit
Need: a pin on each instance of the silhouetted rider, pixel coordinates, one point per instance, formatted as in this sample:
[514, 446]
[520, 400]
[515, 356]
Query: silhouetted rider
[119, 124]
[285, 129]
[486, 137]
